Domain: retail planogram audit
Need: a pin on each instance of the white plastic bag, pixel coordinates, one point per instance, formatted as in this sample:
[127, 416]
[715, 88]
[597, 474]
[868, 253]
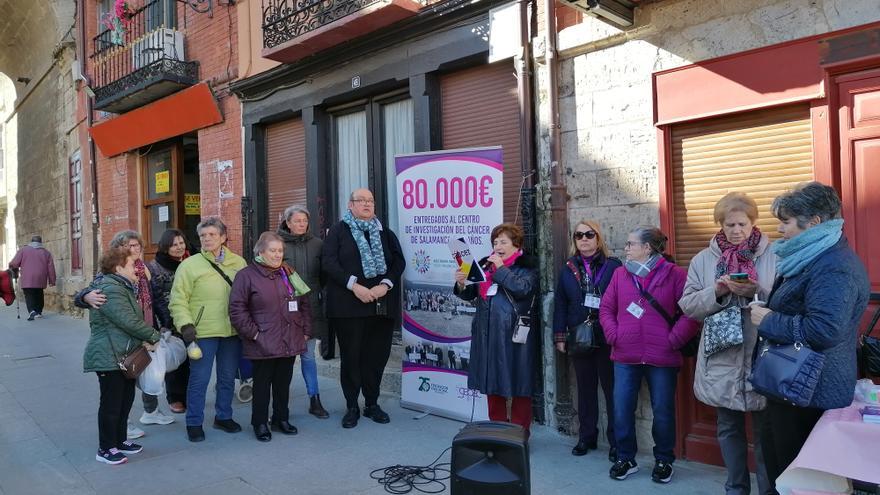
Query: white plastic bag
[152, 380]
[175, 352]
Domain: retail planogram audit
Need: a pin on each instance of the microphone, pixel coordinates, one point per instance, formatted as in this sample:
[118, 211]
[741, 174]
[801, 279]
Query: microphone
[486, 264]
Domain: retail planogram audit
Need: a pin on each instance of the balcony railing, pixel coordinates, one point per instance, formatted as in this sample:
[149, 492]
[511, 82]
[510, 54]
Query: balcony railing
[284, 20]
[143, 63]
[296, 28]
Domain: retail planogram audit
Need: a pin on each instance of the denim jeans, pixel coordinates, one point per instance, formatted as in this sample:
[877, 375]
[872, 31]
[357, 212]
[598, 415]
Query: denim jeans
[661, 385]
[227, 351]
[310, 368]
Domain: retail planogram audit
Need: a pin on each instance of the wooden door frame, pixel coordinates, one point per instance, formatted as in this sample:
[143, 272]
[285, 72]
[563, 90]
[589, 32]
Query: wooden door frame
[175, 194]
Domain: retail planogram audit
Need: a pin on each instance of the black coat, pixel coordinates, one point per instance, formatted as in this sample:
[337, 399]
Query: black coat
[568, 304]
[497, 365]
[160, 288]
[821, 307]
[303, 253]
[341, 259]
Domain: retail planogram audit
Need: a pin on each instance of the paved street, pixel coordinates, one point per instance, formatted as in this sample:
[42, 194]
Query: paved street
[48, 438]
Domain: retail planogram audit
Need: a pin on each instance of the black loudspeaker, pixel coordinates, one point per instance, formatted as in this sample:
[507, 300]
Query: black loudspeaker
[490, 458]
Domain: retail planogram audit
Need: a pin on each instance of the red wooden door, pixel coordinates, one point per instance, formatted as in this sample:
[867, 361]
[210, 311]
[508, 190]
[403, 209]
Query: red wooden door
[858, 97]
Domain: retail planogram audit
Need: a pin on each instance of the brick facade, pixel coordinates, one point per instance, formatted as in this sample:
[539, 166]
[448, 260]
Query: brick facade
[212, 42]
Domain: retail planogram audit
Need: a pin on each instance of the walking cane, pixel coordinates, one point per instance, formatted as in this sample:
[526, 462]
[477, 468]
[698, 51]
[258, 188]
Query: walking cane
[17, 300]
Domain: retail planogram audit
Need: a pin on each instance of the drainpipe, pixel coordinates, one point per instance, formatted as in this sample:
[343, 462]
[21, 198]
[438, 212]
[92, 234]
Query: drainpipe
[92, 154]
[528, 210]
[558, 207]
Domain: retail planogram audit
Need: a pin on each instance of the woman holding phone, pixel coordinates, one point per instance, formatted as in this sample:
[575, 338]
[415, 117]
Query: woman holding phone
[735, 269]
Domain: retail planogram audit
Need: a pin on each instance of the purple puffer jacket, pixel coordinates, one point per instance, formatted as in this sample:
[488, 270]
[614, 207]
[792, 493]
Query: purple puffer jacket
[258, 309]
[648, 340]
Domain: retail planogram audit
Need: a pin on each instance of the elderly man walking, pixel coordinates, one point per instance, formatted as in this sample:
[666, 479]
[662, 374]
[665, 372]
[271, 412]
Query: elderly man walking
[35, 269]
[363, 263]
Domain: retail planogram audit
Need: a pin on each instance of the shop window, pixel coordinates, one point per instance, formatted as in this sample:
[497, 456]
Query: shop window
[366, 138]
[352, 161]
[398, 131]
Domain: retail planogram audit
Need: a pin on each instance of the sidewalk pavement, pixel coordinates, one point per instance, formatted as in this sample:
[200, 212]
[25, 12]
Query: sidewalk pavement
[48, 438]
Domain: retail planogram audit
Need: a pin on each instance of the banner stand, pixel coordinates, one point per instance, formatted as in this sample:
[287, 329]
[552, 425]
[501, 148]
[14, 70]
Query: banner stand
[443, 196]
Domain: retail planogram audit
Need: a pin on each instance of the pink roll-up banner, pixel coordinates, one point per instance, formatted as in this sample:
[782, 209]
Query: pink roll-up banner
[442, 196]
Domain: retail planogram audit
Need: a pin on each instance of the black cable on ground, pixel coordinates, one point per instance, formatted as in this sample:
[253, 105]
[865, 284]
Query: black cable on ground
[401, 479]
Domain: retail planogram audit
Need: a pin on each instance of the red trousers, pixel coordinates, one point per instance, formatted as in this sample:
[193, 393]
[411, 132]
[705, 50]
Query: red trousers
[520, 410]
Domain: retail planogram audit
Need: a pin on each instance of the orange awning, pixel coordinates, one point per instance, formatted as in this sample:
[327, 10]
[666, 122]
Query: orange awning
[184, 111]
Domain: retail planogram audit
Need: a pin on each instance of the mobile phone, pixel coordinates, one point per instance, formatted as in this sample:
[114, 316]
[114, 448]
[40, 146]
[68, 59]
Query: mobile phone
[739, 277]
[381, 307]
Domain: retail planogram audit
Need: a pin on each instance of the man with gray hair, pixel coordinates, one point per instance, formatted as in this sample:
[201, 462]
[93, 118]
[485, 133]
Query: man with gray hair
[37, 271]
[362, 262]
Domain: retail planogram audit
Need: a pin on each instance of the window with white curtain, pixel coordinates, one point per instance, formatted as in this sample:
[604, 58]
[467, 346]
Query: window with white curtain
[397, 130]
[351, 155]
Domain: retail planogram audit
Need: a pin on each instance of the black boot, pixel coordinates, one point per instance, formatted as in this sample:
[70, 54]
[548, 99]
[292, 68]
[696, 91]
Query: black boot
[262, 433]
[316, 409]
[328, 348]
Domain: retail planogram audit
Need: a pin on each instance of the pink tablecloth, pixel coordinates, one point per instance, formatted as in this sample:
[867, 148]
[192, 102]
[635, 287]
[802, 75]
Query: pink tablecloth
[840, 448]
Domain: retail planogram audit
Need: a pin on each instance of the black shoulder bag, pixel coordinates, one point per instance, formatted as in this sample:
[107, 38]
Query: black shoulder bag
[869, 349]
[221, 272]
[581, 339]
[692, 346]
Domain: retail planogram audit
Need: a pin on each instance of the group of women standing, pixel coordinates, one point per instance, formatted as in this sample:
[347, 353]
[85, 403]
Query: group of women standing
[269, 315]
[808, 287]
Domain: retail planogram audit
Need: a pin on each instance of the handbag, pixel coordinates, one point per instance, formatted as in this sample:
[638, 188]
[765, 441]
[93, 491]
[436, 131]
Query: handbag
[786, 372]
[581, 339]
[869, 349]
[523, 322]
[722, 330]
[692, 346]
[134, 363]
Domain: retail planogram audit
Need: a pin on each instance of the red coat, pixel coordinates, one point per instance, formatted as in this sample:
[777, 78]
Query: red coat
[258, 309]
[649, 339]
[35, 267]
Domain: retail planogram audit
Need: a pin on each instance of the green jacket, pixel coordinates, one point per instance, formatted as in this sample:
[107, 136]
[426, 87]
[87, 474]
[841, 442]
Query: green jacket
[198, 285]
[121, 320]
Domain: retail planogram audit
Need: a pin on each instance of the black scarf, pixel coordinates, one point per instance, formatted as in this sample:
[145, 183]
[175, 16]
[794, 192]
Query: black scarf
[167, 262]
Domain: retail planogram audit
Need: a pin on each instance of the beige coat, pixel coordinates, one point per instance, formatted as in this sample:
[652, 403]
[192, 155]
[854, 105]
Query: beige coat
[721, 380]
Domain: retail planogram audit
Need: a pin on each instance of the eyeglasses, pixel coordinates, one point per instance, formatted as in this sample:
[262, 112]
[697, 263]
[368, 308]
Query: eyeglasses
[364, 201]
[590, 234]
[134, 245]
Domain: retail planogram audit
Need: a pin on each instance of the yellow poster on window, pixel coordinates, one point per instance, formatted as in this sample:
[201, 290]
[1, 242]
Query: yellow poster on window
[163, 182]
[192, 204]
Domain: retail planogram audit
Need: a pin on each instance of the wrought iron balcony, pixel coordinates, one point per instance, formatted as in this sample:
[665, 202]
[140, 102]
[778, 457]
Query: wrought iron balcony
[294, 29]
[141, 62]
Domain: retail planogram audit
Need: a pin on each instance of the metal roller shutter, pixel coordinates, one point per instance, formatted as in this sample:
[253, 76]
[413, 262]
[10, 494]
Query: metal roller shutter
[478, 108]
[285, 167]
[761, 153]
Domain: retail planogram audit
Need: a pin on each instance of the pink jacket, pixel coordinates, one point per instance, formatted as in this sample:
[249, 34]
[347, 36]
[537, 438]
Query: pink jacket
[646, 340]
[35, 266]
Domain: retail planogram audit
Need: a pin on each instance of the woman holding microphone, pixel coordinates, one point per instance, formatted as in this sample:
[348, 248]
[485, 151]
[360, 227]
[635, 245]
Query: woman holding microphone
[500, 367]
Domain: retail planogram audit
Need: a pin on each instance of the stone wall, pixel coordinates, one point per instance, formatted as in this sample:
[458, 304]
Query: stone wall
[609, 142]
[38, 41]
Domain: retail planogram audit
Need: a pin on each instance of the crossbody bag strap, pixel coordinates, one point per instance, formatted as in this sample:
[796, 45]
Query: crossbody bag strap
[113, 348]
[656, 305]
[221, 272]
[512, 303]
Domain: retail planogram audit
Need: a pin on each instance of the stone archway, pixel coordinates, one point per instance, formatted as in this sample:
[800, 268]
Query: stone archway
[37, 50]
